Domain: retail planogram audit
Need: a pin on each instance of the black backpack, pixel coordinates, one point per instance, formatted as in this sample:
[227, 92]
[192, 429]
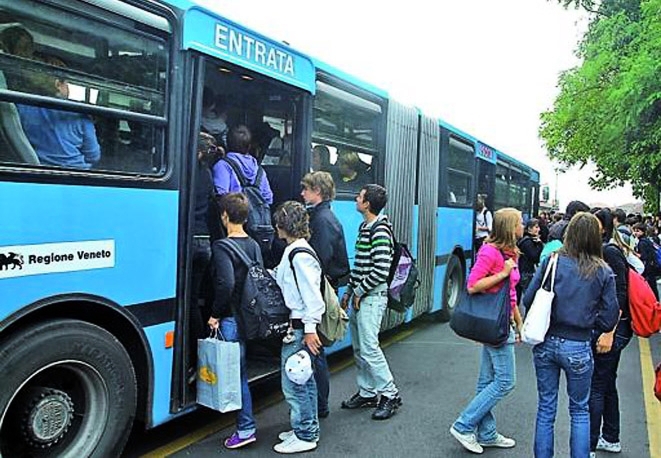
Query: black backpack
[262, 313]
[258, 225]
[403, 275]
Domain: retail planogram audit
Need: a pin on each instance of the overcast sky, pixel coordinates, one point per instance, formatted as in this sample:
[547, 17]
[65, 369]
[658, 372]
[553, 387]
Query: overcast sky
[487, 67]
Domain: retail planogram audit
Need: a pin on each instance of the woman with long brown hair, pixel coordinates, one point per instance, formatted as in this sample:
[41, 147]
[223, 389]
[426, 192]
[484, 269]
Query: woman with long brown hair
[584, 300]
[496, 261]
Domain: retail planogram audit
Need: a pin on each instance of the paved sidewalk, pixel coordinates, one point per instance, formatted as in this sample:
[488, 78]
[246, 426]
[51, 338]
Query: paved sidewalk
[436, 373]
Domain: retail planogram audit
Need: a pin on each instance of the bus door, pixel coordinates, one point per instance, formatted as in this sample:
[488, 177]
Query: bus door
[231, 97]
[486, 178]
[486, 172]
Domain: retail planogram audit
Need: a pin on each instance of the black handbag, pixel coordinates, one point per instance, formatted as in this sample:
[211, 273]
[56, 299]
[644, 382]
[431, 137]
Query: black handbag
[484, 317]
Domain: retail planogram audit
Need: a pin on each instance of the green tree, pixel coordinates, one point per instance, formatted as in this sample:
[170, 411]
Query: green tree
[608, 110]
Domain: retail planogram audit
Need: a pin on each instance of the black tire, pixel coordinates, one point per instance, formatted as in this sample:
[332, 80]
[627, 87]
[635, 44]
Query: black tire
[68, 389]
[453, 283]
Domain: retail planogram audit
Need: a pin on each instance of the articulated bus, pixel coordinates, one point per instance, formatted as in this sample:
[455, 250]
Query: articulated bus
[96, 239]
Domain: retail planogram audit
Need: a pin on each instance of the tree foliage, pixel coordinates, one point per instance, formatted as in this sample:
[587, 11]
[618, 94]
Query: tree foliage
[608, 110]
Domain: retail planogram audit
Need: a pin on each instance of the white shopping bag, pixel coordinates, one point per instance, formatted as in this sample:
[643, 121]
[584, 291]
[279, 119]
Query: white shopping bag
[538, 318]
[219, 374]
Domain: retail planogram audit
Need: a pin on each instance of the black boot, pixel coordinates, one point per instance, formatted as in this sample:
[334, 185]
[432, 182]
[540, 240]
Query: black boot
[387, 407]
[356, 401]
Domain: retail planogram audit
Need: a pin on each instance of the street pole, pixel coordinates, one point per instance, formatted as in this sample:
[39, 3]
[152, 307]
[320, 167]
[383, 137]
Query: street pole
[555, 193]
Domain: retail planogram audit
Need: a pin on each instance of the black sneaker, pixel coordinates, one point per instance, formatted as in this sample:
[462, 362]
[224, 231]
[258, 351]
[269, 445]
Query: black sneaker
[357, 401]
[386, 408]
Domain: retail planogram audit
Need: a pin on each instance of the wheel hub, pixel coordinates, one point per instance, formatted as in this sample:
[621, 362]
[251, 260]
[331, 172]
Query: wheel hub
[48, 417]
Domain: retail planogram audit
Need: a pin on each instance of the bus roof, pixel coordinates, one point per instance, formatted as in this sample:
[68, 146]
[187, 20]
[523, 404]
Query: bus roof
[457, 131]
[333, 71]
[207, 31]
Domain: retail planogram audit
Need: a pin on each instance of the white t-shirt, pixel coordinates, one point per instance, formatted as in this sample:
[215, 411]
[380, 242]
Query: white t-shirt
[483, 218]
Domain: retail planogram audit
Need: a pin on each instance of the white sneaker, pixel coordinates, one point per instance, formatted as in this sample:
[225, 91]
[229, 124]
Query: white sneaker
[500, 442]
[593, 454]
[294, 445]
[283, 436]
[468, 441]
[611, 447]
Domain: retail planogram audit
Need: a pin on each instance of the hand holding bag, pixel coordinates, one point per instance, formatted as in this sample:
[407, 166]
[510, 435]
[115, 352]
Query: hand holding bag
[218, 374]
[483, 317]
[538, 319]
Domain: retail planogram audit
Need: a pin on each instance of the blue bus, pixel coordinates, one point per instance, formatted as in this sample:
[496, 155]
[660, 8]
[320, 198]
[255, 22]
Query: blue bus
[96, 239]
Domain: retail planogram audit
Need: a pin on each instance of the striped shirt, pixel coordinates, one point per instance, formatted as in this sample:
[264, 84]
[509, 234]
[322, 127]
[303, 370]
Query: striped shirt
[374, 252]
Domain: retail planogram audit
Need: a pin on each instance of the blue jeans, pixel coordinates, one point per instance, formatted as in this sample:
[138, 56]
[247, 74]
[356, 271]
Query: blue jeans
[374, 376]
[302, 399]
[575, 359]
[322, 379]
[604, 399]
[245, 421]
[496, 380]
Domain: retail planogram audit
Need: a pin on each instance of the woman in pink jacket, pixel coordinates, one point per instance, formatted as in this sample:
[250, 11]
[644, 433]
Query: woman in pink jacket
[497, 259]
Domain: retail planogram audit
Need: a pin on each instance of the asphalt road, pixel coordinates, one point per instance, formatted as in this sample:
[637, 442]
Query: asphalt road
[436, 373]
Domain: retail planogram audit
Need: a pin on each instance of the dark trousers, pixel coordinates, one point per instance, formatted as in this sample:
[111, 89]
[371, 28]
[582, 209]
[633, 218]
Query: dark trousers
[477, 244]
[197, 322]
[604, 399]
[651, 280]
[322, 378]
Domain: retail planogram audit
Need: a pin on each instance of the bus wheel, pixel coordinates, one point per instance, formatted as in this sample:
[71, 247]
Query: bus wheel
[68, 389]
[452, 286]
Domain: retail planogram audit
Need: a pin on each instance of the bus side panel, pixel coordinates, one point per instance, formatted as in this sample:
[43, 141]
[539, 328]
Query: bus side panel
[163, 360]
[454, 228]
[346, 212]
[142, 224]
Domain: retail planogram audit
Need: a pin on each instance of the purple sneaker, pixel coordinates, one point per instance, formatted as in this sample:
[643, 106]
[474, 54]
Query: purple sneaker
[234, 441]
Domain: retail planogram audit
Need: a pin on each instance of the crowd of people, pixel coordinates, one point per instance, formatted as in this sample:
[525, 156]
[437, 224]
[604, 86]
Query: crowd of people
[223, 210]
[590, 324]
[592, 249]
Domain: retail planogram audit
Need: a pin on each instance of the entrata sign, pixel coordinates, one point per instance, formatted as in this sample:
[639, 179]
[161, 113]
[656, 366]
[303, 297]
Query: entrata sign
[47, 258]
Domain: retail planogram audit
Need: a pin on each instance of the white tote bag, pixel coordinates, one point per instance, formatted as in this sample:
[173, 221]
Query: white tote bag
[538, 318]
[219, 374]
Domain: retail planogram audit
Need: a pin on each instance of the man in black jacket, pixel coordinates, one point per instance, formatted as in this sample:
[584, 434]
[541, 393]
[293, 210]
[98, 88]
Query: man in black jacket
[327, 237]
[327, 240]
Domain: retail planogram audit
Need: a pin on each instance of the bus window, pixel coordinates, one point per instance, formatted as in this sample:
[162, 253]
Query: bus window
[460, 173]
[346, 126]
[82, 67]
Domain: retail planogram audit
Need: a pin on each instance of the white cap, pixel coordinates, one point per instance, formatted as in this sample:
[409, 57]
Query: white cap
[299, 367]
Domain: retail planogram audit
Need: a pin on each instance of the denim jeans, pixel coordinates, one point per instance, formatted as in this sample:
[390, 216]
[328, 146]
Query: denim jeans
[553, 355]
[604, 399]
[374, 376]
[302, 399]
[322, 379]
[245, 421]
[496, 380]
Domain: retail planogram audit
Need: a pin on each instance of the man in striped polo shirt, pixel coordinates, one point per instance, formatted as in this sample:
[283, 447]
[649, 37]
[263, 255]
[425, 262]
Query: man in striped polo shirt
[368, 294]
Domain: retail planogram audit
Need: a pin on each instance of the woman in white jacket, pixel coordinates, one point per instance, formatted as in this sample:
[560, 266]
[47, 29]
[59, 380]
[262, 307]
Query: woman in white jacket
[299, 278]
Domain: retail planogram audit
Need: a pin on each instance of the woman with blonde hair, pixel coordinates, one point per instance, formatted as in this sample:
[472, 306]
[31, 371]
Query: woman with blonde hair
[585, 300]
[496, 261]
